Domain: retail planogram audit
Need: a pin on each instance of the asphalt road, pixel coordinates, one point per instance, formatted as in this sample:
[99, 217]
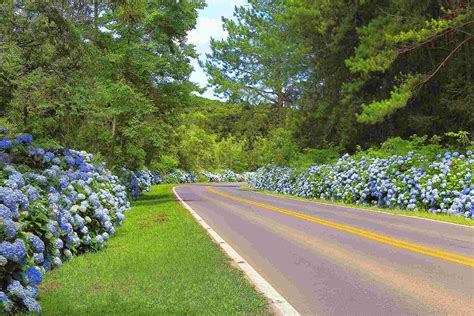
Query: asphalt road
[332, 260]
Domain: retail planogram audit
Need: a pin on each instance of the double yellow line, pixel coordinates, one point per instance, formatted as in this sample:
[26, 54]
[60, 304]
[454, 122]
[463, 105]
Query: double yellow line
[360, 232]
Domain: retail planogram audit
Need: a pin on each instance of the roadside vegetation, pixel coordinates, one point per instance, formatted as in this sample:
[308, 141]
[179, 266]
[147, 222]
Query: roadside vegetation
[159, 262]
[412, 182]
[422, 214]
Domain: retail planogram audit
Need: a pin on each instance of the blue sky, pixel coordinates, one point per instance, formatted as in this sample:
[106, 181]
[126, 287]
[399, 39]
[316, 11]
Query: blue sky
[209, 25]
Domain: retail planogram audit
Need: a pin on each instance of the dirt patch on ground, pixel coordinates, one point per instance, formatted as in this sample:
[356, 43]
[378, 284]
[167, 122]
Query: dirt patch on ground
[96, 288]
[47, 287]
[121, 288]
[151, 221]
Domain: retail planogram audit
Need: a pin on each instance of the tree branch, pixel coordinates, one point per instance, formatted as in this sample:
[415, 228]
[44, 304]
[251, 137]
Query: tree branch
[467, 39]
[406, 49]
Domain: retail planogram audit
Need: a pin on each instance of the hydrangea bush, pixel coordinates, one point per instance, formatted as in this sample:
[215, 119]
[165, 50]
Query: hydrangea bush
[179, 176]
[411, 182]
[139, 182]
[53, 205]
[226, 175]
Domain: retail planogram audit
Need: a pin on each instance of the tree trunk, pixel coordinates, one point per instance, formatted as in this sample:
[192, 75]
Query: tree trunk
[114, 135]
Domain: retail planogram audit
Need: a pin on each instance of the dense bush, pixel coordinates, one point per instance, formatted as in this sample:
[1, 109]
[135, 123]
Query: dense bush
[412, 182]
[137, 183]
[226, 175]
[53, 205]
[179, 176]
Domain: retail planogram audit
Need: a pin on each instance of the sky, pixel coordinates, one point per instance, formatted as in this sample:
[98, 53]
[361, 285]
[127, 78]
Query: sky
[209, 25]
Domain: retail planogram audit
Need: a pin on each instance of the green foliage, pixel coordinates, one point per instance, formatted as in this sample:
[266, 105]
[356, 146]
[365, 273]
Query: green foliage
[230, 154]
[259, 62]
[280, 149]
[166, 164]
[386, 39]
[108, 77]
[461, 139]
[368, 56]
[377, 111]
[399, 146]
[379, 69]
[311, 156]
[428, 147]
[195, 148]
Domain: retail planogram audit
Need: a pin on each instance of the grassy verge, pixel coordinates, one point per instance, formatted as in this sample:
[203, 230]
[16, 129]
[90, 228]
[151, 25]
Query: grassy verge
[159, 262]
[423, 214]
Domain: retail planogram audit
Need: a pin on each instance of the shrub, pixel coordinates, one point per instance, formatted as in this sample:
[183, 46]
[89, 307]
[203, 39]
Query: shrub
[412, 182]
[226, 175]
[136, 183]
[53, 205]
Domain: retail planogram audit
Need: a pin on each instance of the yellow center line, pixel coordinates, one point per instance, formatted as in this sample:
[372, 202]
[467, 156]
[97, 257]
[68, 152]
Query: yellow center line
[468, 261]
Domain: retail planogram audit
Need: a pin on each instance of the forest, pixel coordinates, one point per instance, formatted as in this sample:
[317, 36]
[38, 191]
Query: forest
[302, 80]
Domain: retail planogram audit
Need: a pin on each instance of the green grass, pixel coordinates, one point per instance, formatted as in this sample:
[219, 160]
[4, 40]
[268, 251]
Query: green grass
[159, 262]
[423, 214]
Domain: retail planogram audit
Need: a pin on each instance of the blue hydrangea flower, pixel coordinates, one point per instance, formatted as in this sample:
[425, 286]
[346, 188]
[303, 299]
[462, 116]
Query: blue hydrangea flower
[34, 275]
[5, 144]
[39, 152]
[7, 250]
[99, 239]
[9, 228]
[5, 212]
[19, 249]
[32, 193]
[32, 305]
[57, 262]
[16, 289]
[48, 156]
[47, 264]
[17, 178]
[70, 161]
[6, 301]
[36, 243]
[58, 244]
[24, 139]
[31, 291]
[38, 257]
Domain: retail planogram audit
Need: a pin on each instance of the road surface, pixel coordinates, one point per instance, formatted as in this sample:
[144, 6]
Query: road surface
[332, 260]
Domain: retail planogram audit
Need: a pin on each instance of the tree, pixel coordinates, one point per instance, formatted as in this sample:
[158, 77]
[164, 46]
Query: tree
[258, 63]
[393, 43]
[383, 68]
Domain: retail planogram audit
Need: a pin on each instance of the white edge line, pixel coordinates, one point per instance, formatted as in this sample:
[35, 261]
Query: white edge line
[354, 207]
[276, 300]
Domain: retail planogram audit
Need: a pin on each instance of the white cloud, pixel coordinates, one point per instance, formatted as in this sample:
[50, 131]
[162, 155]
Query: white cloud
[201, 37]
[209, 24]
[205, 29]
[230, 3]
